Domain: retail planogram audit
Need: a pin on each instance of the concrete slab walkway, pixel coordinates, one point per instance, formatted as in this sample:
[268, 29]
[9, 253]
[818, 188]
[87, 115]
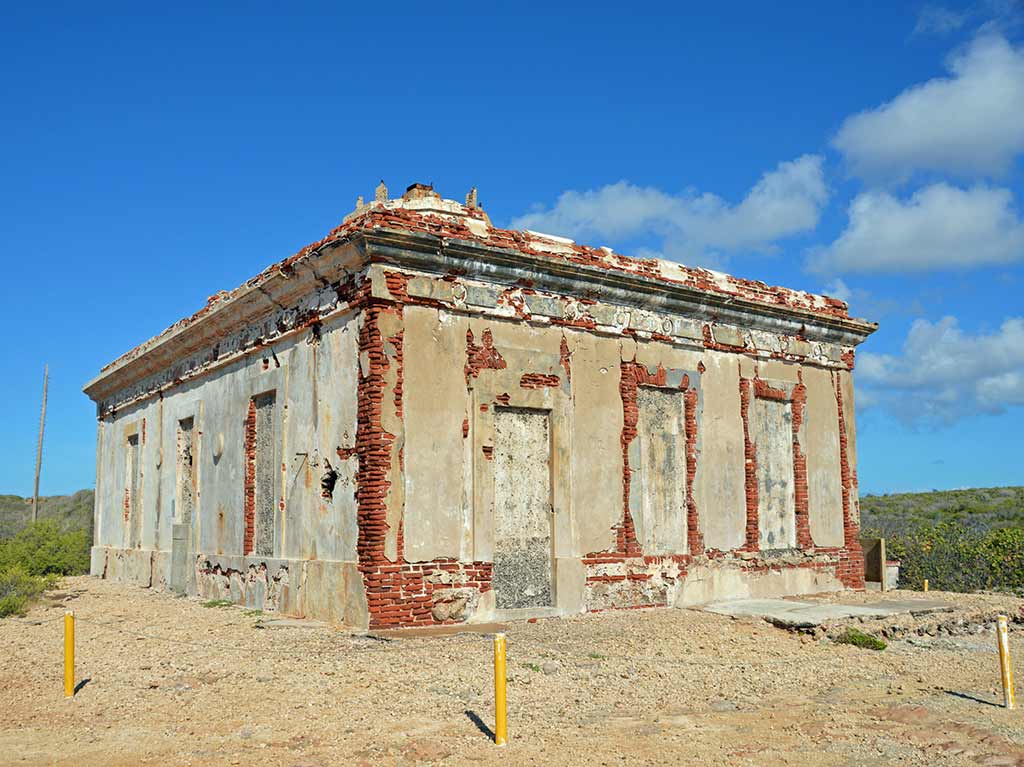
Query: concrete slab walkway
[436, 631]
[788, 613]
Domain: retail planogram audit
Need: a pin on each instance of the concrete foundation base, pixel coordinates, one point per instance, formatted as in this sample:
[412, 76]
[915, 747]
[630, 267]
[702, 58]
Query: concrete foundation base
[334, 591]
[325, 590]
[787, 613]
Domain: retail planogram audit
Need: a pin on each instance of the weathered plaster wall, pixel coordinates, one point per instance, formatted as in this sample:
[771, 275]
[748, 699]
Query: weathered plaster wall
[771, 426]
[522, 509]
[594, 361]
[660, 513]
[720, 491]
[823, 471]
[321, 418]
[848, 429]
[435, 404]
[313, 376]
[457, 369]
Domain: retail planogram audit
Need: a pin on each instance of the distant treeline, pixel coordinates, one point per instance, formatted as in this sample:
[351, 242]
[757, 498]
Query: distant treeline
[983, 508]
[71, 512]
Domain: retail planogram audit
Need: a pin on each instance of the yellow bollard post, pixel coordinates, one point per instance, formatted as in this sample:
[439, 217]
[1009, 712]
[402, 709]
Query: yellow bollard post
[500, 721]
[69, 654]
[1003, 639]
[925, 584]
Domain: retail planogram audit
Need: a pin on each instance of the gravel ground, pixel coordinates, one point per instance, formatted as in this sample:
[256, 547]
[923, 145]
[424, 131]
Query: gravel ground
[166, 680]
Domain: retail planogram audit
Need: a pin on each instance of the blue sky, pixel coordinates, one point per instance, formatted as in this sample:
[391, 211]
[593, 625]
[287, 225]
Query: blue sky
[151, 157]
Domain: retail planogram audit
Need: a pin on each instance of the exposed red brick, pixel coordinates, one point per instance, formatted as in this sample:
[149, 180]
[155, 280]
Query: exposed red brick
[514, 297]
[373, 445]
[630, 375]
[249, 495]
[802, 513]
[585, 322]
[694, 537]
[750, 468]
[565, 358]
[539, 381]
[853, 573]
[481, 357]
[396, 342]
[711, 343]
[397, 284]
[764, 390]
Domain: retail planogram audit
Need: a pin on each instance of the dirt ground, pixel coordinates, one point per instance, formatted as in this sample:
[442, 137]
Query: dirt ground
[165, 680]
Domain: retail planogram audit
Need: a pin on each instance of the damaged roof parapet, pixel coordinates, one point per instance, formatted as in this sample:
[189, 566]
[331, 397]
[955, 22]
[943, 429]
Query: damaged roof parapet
[422, 231]
[426, 253]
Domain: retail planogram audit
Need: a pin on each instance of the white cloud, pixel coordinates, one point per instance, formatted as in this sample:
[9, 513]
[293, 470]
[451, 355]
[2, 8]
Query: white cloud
[939, 227]
[970, 124]
[691, 226]
[944, 373]
[866, 303]
[936, 20]
[839, 289]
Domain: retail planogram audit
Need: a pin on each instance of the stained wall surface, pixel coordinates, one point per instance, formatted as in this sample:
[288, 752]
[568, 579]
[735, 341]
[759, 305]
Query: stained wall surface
[688, 486]
[522, 509]
[304, 538]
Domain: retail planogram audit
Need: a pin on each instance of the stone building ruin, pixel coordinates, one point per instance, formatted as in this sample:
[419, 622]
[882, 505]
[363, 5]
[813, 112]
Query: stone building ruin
[423, 418]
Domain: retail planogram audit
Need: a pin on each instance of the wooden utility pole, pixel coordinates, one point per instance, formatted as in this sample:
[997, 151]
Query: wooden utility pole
[39, 448]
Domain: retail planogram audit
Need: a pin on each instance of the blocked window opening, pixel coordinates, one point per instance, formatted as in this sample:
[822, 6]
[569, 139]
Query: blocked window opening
[522, 509]
[132, 510]
[772, 423]
[186, 487]
[658, 496]
[260, 495]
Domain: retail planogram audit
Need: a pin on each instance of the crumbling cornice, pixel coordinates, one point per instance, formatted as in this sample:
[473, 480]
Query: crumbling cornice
[439, 255]
[282, 289]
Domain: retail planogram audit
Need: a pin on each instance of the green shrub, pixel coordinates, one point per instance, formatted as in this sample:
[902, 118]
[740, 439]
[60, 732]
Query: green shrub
[43, 548]
[18, 589]
[859, 639]
[218, 603]
[955, 556]
[1002, 554]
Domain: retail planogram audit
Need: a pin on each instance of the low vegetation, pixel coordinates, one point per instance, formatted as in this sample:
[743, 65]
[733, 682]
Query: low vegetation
[34, 559]
[859, 639]
[18, 590]
[955, 557]
[218, 603]
[959, 540]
